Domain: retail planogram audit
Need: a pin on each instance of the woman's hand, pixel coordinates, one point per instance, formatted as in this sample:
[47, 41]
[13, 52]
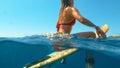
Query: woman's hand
[100, 33]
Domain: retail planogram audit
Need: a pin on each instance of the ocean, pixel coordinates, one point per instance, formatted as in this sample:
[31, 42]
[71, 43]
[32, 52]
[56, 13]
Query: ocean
[16, 52]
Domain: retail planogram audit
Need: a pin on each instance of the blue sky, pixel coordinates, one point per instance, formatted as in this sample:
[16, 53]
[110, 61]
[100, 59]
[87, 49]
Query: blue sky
[30, 17]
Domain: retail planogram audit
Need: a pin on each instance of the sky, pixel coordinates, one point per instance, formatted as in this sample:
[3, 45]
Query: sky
[35, 17]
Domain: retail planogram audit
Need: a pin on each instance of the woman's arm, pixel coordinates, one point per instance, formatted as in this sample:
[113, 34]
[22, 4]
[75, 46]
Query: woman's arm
[81, 19]
[85, 21]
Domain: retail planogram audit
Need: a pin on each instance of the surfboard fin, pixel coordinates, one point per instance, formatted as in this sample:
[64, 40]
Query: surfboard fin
[63, 61]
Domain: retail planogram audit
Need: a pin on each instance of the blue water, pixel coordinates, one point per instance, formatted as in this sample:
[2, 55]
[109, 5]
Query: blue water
[16, 52]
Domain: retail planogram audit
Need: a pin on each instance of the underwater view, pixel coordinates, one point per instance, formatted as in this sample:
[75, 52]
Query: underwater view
[16, 52]
[24, 42]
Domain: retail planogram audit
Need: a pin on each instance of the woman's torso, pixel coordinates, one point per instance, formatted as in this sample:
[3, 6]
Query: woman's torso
[66, 17]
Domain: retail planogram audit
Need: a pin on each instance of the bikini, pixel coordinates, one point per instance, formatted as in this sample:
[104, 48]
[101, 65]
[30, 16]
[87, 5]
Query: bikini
[70, 24]
[88, 60]
[58, 27]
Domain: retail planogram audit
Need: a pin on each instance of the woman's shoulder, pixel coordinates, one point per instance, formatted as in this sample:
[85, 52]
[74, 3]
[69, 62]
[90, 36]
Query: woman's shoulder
[74, 9]
[70, 9]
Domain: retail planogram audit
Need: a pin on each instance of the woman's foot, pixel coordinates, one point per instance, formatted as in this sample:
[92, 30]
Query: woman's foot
[104, 29]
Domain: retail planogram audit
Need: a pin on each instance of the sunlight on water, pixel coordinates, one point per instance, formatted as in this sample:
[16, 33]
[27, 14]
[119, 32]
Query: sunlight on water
[29, 48]
[107, 46]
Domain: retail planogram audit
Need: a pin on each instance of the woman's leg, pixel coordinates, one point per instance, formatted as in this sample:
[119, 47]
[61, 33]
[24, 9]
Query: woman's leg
[89, 54]
[93, 34]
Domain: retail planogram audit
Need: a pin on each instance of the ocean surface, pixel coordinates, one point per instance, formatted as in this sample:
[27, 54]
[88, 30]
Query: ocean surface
[16, 52]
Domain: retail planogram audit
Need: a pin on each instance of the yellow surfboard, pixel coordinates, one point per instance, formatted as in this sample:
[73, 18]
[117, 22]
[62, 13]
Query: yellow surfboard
[54, 56]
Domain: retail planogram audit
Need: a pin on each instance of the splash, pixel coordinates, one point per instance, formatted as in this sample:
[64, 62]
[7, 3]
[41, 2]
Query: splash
[108, 46]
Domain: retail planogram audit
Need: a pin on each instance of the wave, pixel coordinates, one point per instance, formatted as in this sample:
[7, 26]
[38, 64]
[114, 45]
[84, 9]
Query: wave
[109, 46]
[34, 40]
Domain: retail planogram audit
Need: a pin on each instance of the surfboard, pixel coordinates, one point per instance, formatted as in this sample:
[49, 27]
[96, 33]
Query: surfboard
[54, 56]
[51, 58]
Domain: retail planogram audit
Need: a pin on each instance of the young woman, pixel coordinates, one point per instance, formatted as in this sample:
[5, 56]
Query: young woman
[67, 17]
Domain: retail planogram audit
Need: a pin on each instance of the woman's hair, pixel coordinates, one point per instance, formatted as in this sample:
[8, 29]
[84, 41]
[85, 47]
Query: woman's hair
[67, 3]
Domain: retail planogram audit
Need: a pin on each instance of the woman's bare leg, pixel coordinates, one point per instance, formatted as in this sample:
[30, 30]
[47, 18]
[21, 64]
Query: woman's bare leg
[93, 34]
[89, 54]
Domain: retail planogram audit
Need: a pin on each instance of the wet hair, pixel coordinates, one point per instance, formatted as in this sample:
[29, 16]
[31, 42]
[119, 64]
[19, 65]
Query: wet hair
[66, 3]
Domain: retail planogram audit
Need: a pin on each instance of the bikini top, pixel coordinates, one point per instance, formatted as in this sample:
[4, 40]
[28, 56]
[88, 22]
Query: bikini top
[70, 23]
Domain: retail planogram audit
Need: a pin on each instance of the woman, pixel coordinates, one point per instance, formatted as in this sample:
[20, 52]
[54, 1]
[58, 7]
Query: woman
[67, 17]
